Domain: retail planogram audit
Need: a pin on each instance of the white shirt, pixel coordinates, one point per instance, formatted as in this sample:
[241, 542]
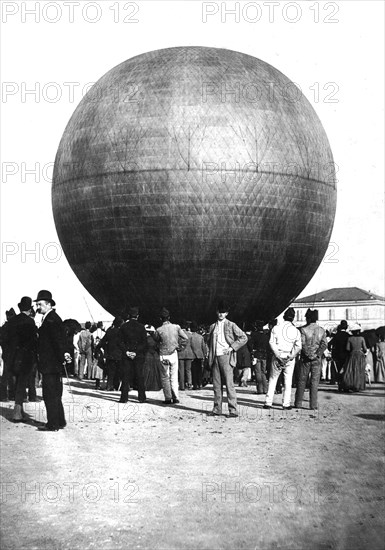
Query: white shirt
[222, 344]
[285, 340]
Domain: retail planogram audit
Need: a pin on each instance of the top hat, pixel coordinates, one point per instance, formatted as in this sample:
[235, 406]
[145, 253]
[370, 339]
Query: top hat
[133, 312]
[344, 325]
[25, 303]
[46, 296]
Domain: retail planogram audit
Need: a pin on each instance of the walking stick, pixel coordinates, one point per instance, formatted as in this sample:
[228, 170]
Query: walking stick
[68, 380]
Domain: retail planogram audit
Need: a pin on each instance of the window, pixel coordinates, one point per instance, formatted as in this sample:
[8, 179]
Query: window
[331, 315]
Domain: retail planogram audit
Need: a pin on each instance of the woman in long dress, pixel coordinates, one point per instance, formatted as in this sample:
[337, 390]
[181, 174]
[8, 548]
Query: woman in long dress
[379, 374]
[354, 369]
[152, 381]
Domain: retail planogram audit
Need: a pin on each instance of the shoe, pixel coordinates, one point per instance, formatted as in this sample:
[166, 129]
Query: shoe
[175, 401]
[267, 406]
[232, 415]
[123, 400]
[287, 408]
[62, 426]
[47, 429]
[18, 414]
[142, 400]
[212, 413]
[167, 402]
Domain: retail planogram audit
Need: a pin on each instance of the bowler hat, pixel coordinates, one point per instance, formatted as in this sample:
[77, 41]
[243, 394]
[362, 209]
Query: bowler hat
[133, 312]
[46, 296]
[25, 303]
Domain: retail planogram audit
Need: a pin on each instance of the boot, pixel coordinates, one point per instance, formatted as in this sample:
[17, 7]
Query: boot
[17, 413]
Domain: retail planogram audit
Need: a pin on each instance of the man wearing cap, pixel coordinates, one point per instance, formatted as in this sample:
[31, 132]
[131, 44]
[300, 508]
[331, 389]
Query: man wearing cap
[52, 354]
[171, 339]
[22, 352]
[285, 343]
[134, 339]
[314, 344]
[224, 339]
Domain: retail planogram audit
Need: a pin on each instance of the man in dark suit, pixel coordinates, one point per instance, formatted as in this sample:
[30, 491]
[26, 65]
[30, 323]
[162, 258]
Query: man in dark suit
[52, 354]
[225, 338]
[112, 345]
[134, 338]
[22, 334]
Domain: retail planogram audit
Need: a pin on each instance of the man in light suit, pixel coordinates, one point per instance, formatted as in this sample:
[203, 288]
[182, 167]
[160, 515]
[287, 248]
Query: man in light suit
[225, 338]
[52, 354]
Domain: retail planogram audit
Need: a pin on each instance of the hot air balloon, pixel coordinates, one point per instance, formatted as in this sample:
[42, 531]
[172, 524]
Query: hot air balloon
[190, 174]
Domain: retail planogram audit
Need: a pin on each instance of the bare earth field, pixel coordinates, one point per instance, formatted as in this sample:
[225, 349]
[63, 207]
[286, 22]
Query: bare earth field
[146, 476]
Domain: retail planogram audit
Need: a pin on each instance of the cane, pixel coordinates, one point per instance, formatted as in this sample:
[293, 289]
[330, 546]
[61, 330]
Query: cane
[68, 380]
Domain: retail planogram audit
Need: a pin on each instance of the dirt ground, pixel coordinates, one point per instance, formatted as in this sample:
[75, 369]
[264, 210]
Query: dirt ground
[147, 476]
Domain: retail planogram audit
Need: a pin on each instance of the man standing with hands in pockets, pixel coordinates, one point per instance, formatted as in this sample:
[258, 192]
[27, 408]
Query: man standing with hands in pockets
[225, 337]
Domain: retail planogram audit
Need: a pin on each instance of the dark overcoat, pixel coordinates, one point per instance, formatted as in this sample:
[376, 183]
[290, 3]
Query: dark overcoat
[22, 344]
[134, 337]
[52, 344]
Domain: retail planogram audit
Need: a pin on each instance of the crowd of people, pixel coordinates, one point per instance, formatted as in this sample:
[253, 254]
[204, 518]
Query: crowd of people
[130, 355]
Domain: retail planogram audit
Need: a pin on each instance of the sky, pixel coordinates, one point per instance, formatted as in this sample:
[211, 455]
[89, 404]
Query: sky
[51, 53]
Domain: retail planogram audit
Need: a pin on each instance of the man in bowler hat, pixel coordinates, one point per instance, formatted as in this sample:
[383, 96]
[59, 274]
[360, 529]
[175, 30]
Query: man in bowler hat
[225, 338]
[52, 354]
[134, 338]
[22, 350]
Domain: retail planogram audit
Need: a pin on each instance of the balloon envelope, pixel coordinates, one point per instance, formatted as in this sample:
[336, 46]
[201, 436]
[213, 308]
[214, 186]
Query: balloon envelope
[191, 174]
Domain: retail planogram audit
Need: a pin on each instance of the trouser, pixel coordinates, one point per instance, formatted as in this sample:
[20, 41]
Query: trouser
[52, 394]
[260, 375]
[275, 372]
[314, 367]
[7, 384]
[31, 384]
[83, 357]
[223, 374]
[184, 373]
[132, 375]
[113, 368]
[21, 382]
[244, 373]
[337, 367]
[169, 375]
[196, 372]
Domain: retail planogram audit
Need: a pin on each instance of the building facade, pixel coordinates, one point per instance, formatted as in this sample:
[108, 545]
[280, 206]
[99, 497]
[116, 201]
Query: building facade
[350, 303]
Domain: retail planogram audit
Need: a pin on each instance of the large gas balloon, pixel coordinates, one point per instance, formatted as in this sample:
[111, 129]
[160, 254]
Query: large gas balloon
[190, 174]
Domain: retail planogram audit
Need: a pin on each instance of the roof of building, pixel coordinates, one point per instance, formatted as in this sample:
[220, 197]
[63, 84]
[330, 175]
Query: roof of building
[345, 294]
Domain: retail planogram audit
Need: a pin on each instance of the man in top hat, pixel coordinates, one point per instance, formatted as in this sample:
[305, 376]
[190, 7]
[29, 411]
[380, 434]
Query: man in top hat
[285, 343]
[52, 354]
[224, 339]
[22, 334]
[134, 339]
[171, 339]
[314, 344]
